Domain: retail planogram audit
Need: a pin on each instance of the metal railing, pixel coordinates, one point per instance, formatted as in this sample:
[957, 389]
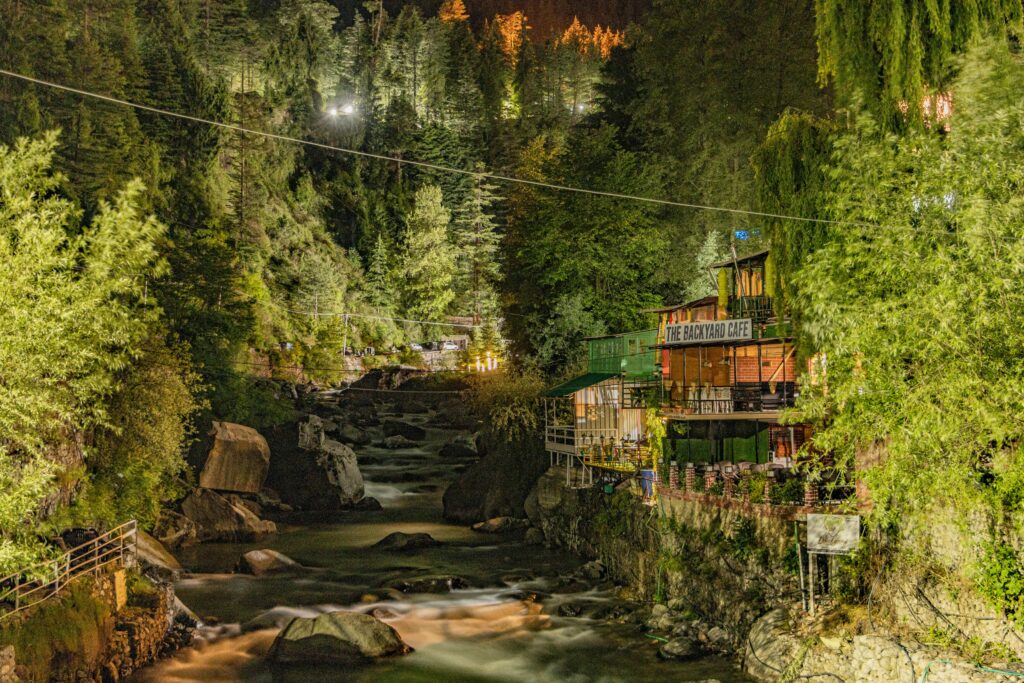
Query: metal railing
[30, 586]
[725, 400]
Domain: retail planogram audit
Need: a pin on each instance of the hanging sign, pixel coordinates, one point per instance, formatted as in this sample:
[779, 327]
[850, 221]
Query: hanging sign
[711, 332]
[832, 534]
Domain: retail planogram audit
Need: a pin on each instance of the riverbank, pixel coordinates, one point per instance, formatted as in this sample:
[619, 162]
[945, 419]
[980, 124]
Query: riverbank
[473, 606]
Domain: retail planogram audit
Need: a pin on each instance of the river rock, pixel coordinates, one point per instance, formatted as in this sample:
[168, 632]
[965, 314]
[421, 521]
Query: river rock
[457, 450]
[337, 637]
[174, 529]
[217, 519]
[401, 541]
[311, 472]
[534, 536]
[397, 441]
[238, 460]
[353, 436]
[431, 584]
[266, 561]
[498, 484]
[155, 559]
[595, 571]
[399, 428]
[499, 525]
[680, 648]
[455, 414]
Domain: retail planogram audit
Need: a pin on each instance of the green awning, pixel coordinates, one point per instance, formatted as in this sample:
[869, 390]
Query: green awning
[577, 383]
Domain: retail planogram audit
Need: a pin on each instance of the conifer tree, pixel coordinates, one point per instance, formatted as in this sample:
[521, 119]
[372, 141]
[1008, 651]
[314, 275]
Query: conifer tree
[379, 283]
[477, 239]
[429, 267]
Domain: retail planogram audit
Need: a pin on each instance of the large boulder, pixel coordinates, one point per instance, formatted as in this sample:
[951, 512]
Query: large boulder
[238, 461]
[401, 541]
[399, 428]
[498, 484]
[218, 519]
[338, 638]
[310, 471]
[174, 529]
[155, 559]
[266, 561]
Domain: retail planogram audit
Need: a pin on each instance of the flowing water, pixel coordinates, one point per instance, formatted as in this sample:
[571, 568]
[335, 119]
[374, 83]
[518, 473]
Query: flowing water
[503, 626]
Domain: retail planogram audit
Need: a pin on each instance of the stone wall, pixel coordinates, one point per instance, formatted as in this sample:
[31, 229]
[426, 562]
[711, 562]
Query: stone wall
[727, 564]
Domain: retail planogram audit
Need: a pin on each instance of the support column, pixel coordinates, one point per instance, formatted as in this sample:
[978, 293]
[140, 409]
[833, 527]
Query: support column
[690, 477]
[673, 476]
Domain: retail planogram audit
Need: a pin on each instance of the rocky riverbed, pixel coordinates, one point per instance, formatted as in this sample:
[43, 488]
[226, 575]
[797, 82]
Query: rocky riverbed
[468, 605]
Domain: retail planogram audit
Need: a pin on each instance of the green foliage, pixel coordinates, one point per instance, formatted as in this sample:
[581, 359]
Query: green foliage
[76, 316]
[711, 251]
[58, 637]
[1001, 580]
[137, 461]
[894, 53]
[429, 269]
[789, 492]
[509, 403]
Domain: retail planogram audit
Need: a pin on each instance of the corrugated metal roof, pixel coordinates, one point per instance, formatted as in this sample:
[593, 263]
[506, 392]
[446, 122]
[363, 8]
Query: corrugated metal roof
[750, 257]
[577, 383]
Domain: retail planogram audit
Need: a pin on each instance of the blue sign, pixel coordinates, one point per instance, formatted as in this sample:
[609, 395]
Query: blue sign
[742, 235]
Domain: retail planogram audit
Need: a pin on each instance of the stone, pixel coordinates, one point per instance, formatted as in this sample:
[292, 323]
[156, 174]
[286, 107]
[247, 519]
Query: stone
[497, 484]
[404, 542]
[266, 561]
[659, 610]
[217, 519]
[719, 638]
[174, 529]
[832, 642]
[534, 536]
[499, 525]
[238, 460]
[431, 584]
[680, 648]
[457, 450]
[311, 472]
[353, 436]
[368, 504]
[399, 428]
[396, 442]
[156, 561]
[339, 462]
[338, 638]
[595, 571]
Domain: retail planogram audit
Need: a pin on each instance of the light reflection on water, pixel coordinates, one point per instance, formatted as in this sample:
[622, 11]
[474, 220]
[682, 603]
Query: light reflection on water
[485, 633]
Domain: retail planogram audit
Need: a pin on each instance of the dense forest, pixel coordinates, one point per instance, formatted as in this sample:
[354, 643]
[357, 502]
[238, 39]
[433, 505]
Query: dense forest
[200, 255]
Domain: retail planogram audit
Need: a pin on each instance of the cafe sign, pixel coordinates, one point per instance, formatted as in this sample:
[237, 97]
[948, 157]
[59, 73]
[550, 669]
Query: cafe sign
[710, 332]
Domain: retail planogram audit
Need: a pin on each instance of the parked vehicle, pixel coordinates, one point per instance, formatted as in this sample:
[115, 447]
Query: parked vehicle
[416, 347]
[449, 346]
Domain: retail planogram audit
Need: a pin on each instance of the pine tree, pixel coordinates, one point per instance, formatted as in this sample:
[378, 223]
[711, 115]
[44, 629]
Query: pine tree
[453, 11]
[476, 236]
[429, 266]
[379, 284]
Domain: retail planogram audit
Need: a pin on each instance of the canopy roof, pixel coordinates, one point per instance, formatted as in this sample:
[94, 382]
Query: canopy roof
[577, 383]
[752, 258]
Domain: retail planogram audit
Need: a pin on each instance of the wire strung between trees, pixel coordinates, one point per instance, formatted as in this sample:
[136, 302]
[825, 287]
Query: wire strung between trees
[424, 164]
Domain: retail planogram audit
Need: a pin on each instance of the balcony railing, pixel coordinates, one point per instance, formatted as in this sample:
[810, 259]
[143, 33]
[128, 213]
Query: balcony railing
[757, 308]
[726, 400]
[574, 439]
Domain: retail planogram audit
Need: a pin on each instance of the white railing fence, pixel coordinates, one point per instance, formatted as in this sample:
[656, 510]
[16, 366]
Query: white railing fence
[28, 587]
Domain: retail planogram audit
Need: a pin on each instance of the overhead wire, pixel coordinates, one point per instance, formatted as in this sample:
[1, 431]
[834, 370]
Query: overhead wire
[424, 164]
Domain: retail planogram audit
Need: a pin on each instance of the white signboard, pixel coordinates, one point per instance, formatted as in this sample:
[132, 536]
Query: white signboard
[710, 332]
[832, 534]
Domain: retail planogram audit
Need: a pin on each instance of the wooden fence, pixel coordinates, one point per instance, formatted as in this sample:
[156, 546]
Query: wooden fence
[24, 589]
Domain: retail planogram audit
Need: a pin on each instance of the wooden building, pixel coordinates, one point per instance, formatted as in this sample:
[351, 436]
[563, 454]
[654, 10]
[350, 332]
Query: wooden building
[728, 369]
[597, 420]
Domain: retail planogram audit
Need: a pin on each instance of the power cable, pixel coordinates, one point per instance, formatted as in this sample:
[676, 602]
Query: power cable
[425, 164]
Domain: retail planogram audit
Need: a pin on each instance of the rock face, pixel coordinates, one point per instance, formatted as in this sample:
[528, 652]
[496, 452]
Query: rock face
[155, 559]
[399, 428]
[400, 541]
[174, 529]
[310, 471]
[500, 525]
[238, 461]
[680, 648]
[218, 519]
[457, 450]
[498, 484]
[338, 637]
[266, 561]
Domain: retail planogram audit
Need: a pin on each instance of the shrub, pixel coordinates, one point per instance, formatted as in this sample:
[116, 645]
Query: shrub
[508, 403]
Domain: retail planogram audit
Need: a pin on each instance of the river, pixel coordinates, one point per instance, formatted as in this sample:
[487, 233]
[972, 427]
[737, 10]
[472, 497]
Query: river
[505, 624]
